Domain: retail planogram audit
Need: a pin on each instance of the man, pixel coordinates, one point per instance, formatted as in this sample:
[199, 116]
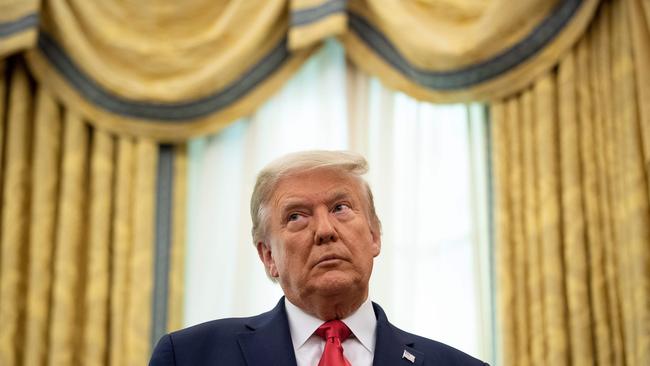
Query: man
[317, 234]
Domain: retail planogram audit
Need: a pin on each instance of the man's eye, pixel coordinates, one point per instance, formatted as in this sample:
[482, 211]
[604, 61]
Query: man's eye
[341, 207]
[293, 217]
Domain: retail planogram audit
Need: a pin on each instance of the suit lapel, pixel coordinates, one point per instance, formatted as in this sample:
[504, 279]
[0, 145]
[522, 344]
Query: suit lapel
[269, 339]
[391, 344]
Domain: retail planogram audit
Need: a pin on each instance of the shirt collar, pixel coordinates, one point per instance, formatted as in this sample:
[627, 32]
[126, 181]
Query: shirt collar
[301, 324]
[362, 323]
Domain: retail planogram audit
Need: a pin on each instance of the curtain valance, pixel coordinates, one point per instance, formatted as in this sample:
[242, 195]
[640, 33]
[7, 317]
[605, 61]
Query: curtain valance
[167, 70]
[460, 50]
[18, 25]
[171, 70]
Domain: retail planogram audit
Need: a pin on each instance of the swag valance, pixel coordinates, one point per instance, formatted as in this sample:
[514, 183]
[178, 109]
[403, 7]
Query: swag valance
[171, 70]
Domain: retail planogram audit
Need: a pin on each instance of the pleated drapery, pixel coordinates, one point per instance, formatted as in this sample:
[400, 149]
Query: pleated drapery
[165, 71]
[573, 204]
[76, 234]
[91, 89]
[18, 25]
[173, 70]
[451, 51]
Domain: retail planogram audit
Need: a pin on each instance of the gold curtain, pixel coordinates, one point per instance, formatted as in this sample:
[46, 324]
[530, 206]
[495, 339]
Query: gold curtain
[571, 165]
[169, 70]
[76, 234]
[459, 50]
[173, 70]
[18, 25]
[104, 82]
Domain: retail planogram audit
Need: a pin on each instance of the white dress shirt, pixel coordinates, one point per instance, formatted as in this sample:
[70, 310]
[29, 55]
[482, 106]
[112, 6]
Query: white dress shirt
[359, 348]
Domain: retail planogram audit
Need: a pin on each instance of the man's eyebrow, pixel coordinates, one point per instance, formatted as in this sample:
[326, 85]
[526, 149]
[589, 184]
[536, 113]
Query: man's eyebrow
[296, 203]
[291, 204]
[338, 195]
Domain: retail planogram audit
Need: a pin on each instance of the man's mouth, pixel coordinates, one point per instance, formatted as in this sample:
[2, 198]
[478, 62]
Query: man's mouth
[329, 260]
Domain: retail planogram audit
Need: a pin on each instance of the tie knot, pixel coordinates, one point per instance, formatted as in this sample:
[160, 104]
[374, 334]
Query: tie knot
[334, 329]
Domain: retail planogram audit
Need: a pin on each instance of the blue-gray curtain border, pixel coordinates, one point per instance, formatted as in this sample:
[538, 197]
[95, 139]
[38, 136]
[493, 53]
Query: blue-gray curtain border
[475, 74]
[163, 112]
[12, 27]
[163, 241]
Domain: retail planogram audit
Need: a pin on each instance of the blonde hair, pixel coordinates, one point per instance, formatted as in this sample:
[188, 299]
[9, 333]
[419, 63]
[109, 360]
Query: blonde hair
[268, 178]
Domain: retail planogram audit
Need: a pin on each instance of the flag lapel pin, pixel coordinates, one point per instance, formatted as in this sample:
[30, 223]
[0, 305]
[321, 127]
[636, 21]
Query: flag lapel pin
[407, 355]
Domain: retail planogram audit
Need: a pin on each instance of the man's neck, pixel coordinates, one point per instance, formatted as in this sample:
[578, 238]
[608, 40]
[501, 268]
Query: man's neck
[328, 308]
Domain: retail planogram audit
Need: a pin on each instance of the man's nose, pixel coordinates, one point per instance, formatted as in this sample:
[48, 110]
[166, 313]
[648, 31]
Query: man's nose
[324, 231]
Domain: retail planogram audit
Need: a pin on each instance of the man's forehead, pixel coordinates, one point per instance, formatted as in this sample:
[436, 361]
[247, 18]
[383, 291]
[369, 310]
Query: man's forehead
[316, 184]
[291, 199]
[322, 174]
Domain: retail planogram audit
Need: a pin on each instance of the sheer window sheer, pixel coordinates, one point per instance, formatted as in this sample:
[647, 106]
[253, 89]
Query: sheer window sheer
[428, 171]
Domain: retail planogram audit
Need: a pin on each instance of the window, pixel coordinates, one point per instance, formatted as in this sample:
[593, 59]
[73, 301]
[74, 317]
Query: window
[428, 171]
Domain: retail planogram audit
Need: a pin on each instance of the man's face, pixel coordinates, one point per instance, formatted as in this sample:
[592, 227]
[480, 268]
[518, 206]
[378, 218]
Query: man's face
[319, 238]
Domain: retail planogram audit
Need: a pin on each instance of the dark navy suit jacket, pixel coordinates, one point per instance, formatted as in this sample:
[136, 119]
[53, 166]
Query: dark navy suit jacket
[265, 340]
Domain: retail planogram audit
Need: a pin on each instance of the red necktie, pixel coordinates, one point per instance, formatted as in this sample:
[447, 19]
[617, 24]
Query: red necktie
[334, 332]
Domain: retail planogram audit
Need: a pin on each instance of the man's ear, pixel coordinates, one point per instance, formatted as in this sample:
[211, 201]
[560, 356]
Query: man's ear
[376, 241]
[265, 254]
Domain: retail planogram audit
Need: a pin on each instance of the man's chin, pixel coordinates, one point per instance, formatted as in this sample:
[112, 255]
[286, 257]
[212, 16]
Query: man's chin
[335, 283]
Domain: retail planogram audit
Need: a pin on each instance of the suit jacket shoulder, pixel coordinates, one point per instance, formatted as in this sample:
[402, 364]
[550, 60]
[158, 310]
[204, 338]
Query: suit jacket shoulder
[259, 340]
[392, 343]
[265, 339]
